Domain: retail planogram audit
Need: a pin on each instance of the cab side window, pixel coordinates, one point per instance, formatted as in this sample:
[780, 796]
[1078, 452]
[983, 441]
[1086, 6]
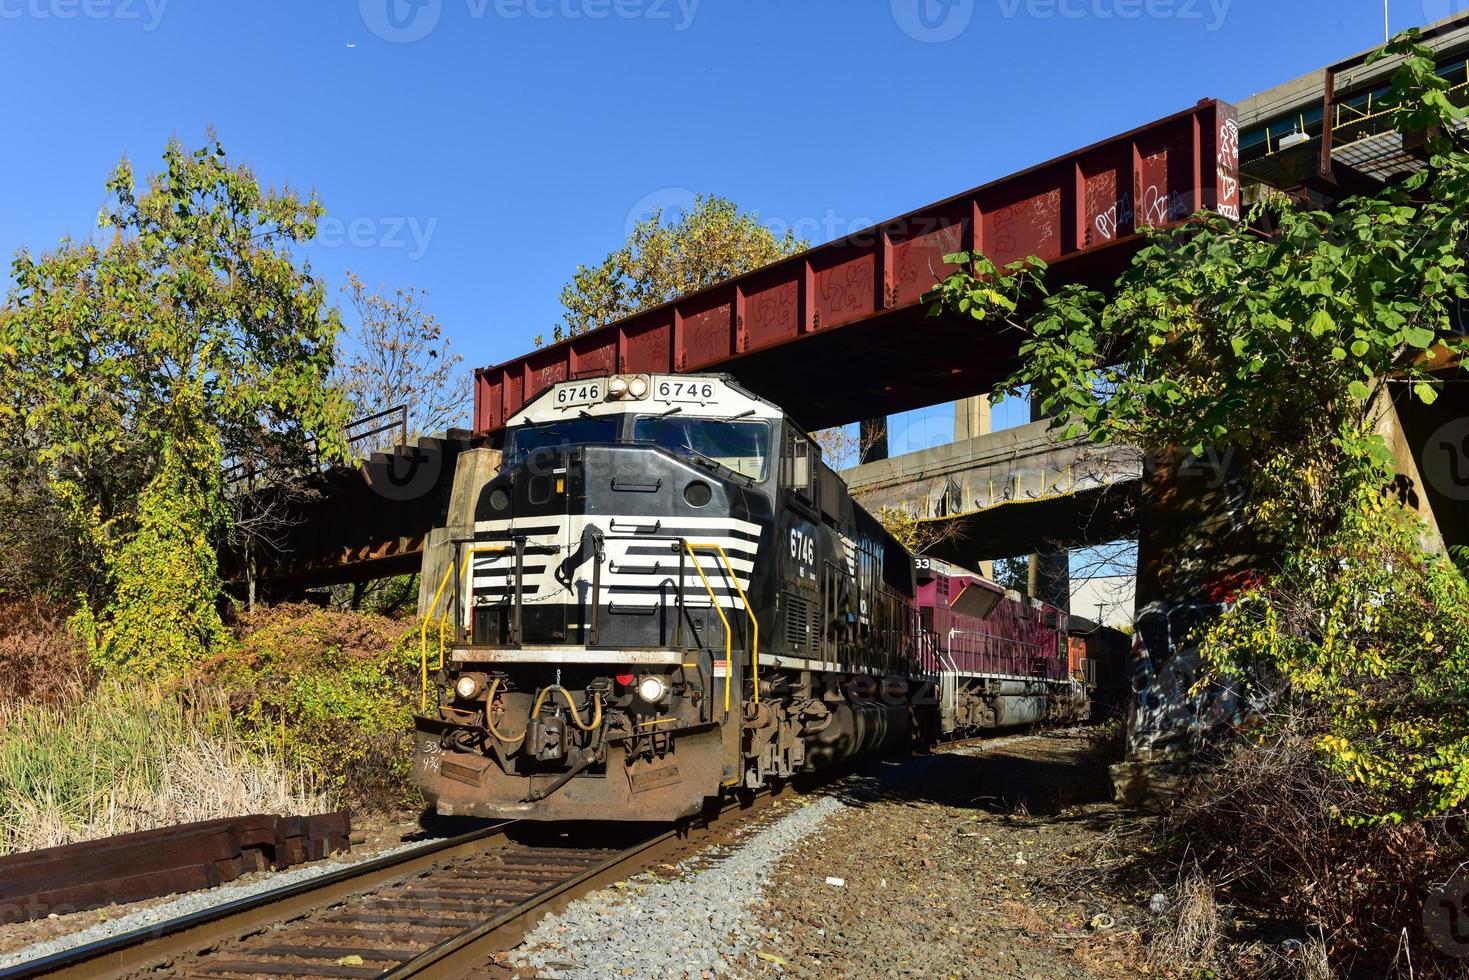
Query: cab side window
[798, 464]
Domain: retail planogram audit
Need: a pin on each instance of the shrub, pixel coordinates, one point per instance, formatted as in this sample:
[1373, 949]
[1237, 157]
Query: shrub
[334, 691]
[40, 659]
[1270, 823]
[164, 614]
[1366, 637]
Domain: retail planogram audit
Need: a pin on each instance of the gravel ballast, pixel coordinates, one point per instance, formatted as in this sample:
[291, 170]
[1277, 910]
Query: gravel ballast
[916, 867]
[695, 923]
[947, 861]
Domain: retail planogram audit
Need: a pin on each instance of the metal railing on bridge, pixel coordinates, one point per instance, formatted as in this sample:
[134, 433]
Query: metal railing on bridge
[242, 471]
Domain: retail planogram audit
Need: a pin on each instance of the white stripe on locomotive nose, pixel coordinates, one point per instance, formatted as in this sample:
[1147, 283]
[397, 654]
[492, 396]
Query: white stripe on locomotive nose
[560, 535]
[625, 524]
[740, 558]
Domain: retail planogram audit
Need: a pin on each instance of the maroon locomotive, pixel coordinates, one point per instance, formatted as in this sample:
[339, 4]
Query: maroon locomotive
[1000, 658]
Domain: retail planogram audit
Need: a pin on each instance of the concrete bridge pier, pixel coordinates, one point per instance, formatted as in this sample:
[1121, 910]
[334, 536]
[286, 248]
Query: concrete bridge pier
[1050, 571]
[473, 470]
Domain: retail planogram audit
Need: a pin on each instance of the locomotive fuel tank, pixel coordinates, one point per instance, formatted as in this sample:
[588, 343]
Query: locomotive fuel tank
[1011, 710]
[856, 728]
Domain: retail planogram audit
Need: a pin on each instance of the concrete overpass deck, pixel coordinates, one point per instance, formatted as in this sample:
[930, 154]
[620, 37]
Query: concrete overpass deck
[1008, 492]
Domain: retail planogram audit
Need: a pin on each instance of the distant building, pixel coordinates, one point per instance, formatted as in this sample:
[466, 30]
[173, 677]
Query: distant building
[1107, 599]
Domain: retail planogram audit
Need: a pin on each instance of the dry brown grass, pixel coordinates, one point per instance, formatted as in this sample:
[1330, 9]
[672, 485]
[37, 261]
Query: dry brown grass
[132, 758]
[1271, 828]
[1187, 934]
[1027, 918]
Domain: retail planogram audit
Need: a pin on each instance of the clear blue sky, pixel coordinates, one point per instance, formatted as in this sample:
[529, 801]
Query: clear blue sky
[515, 138]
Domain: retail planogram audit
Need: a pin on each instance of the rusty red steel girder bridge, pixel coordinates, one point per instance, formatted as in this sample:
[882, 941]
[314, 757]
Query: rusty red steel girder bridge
[839, 333]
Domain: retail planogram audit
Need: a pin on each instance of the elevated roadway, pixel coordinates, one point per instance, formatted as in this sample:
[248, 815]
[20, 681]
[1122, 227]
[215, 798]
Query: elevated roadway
[1006, 493]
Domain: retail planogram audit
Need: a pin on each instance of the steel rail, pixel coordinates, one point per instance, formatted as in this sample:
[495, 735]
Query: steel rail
[212, 929]
[137, 949]
[454, 957]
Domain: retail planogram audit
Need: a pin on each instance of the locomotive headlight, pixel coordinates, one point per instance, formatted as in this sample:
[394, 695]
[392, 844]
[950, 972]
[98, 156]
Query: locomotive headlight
[638, 387]
[617, 388]
[652, 689]
[467, 686]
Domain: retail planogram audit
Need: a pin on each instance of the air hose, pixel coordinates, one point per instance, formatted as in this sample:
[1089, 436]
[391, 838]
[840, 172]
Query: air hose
[575, 715]
[535, 711]
[489, 712]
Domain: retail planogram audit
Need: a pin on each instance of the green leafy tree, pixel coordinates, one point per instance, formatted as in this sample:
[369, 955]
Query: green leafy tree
[662, 261]
[1281, 347]
[1014, 573]
[137, 367]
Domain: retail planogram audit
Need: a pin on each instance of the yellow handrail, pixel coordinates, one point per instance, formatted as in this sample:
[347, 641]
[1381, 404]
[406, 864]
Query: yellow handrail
[728, 635]
[423, 630]
[754, 623]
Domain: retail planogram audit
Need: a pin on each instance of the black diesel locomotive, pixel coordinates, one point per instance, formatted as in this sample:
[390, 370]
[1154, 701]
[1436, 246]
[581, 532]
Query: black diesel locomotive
[667, 595]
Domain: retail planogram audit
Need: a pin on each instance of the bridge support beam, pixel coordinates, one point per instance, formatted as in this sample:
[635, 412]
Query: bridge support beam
[972, 418]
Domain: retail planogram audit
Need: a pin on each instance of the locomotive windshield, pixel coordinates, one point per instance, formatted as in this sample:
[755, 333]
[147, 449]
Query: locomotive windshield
[562, 432]
[741, 446]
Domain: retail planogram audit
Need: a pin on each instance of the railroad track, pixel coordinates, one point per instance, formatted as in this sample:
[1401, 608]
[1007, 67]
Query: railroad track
[1002, 738]
[441, 910]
